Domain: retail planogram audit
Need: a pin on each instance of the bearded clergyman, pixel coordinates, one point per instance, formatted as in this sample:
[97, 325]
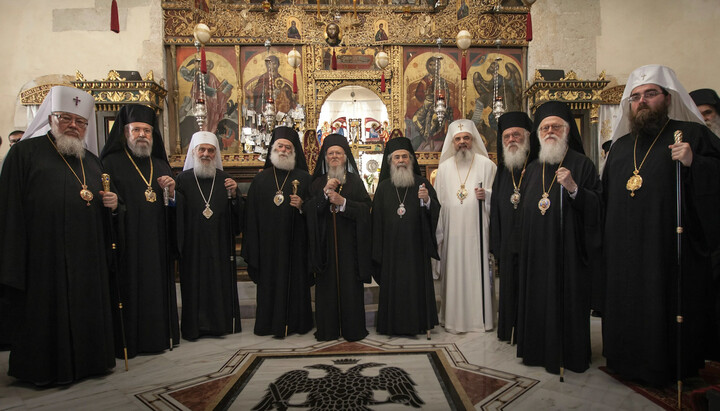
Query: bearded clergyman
[463, 184]
[135, 158]
[275, 239]
[339, 227]
[517, 150]
[208, 219]
[640, 328]
[54, 233]
[404, 219]
[557, 266]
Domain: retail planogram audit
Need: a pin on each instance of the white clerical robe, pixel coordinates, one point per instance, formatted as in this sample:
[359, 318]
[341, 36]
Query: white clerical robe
[465, 291]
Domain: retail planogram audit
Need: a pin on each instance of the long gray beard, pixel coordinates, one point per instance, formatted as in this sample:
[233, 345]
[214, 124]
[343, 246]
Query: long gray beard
[553, 153]
[139, 151]
[401, 176]
[714, 125]
[283, 163]
[69, 146]
[516, 159]
[337, 172]
[463, 156]
[203, 170]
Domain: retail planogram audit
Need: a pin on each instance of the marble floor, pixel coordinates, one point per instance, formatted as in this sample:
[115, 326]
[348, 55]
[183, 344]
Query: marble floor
[592, 390]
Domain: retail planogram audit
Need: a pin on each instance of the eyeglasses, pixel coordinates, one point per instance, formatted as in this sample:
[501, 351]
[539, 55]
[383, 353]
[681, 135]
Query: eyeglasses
[648, 95]
[66, 119]
[514, 135]
[553, 127]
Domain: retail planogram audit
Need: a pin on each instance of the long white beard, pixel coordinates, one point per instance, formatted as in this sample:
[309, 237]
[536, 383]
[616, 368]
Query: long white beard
[140, 151]
[281, 162]
[513, 160]
[68, 145]
[402, 176]
[553, 153]
[714, 125]
[203, 170]
[337, 172]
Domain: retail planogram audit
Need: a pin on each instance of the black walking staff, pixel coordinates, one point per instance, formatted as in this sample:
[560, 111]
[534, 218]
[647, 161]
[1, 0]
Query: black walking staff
[113, 266]
[561, 284]
[333, 210]
[233, 265]
[482, 256]
[295, 184]
[168, 269]
[679, 229]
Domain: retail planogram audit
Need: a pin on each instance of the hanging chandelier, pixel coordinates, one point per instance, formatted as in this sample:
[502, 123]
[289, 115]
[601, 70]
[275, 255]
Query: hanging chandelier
[498, 108]
[440, 105]
[201, 34]
[269, 112]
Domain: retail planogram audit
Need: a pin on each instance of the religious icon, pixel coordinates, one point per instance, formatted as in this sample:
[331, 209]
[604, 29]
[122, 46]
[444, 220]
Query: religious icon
[381, 34]
[463, 10]
[293, 32]
[332, 34]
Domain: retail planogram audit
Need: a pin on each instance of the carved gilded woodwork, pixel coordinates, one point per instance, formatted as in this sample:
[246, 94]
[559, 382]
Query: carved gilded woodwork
[114, 91]
[422, 25]
[577, 93]
[612, 95]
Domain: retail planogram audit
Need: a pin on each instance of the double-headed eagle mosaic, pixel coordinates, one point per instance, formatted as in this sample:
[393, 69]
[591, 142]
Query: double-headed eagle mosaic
[338, 390]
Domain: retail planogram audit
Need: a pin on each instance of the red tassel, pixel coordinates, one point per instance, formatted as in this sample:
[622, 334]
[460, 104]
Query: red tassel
[333, 62]
[528, 28]
[203, 61]
[382, 82]
[114, 20]
[463, 68]
[295, 89]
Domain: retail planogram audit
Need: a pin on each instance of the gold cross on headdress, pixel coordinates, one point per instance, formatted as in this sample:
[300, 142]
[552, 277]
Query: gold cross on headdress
[642, 76]
[460, 126]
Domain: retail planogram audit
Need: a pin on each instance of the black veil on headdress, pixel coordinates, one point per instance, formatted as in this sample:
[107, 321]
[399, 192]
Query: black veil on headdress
[562, 110]
[134, 113]
[394, 144]
[291, 135]
[516, 119]
[334, 140]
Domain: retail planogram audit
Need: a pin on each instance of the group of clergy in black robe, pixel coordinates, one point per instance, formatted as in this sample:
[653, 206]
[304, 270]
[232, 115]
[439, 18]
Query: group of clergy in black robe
[302, 231]
[566, 244]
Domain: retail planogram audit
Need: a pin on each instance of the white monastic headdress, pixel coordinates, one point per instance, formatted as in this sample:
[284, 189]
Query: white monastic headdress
[202, 137]
[461, 126]
[681, 108]
[69, 100]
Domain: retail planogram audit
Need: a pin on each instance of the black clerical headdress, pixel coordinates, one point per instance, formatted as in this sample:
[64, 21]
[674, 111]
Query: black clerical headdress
[706, 96]
[134, 113]
[562, 110]
[394, 144]
[291, 135]
[516, 119]
[329, 141]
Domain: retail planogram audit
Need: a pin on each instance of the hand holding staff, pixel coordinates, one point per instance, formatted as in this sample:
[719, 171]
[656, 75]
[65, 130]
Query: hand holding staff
[110, 201]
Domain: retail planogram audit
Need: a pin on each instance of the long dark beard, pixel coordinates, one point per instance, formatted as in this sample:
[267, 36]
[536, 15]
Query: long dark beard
[648, 122]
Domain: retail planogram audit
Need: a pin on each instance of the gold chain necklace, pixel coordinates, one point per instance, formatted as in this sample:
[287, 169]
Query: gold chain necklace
[401, 208]
[150, 195]
[279, 197]
[85, 194]
[635, 181]
[462, 193]
[544, 202]
[515, 197]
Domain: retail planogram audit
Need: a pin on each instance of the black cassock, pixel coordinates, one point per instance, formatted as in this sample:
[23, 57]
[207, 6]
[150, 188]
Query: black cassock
[208, 277]
[147, 291]
[402, 248]
[505, 226]
[53, 265]
[353, 259]
[639, 326]
[551, 316]
[275, 249]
